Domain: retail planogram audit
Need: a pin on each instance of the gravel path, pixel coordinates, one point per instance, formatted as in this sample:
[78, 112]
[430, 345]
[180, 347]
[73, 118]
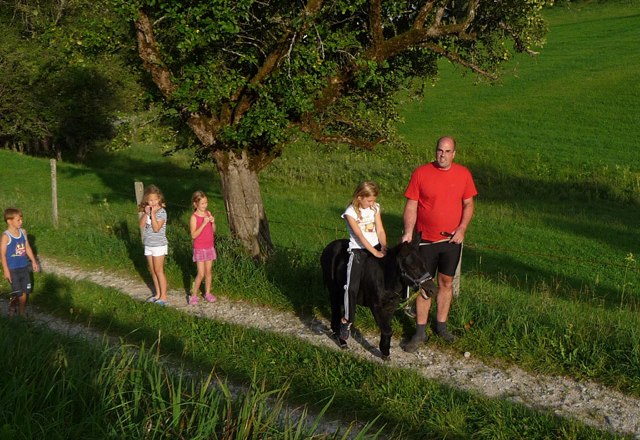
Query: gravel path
[589, 402]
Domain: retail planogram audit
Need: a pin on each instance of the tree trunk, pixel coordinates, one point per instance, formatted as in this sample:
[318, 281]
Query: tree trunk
[243, 201]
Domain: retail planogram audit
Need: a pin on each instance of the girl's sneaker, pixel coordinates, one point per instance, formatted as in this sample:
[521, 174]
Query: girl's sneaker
[193, 300]
[210, 298]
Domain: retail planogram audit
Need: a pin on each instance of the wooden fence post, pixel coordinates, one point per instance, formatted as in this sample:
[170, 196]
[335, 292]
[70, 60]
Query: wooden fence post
[139, 190]
[54, 193]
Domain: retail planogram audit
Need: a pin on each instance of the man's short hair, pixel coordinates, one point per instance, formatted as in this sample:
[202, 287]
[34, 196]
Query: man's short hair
[11, 213]
[446, 137]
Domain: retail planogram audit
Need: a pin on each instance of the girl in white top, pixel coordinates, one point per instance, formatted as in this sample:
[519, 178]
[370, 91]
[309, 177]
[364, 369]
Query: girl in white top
[366, 238]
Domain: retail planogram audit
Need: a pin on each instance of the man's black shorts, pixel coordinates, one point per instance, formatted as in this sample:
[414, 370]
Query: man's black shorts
[443, 256]
[20, 281]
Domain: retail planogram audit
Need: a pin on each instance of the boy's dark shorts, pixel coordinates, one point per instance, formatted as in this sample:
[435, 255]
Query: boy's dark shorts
[443, 256]
[20, 281]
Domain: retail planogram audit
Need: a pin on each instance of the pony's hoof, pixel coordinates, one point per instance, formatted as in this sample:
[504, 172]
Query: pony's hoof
[341, 342]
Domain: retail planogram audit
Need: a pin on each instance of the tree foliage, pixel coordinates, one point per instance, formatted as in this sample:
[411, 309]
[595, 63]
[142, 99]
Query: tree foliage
[62, 82]
[255, 70]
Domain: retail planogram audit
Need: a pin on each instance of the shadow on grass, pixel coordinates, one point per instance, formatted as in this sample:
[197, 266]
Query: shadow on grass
[176, 182]
[135, 250]
[581, 207]
[182, 254]
[58, 295]
[298, 276]
[530, 278]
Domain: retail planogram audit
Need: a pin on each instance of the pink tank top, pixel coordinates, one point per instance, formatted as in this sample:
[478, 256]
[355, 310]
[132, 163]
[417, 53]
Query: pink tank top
[205, 239]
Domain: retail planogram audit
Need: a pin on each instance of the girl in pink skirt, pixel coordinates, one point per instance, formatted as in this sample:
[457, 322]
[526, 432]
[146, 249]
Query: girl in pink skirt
[203, 228]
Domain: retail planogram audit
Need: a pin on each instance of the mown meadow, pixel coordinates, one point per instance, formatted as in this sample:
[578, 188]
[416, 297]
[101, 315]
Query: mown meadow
[551, 280]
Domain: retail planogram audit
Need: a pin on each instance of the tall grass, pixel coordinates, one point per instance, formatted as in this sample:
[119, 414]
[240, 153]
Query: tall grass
[55, 387]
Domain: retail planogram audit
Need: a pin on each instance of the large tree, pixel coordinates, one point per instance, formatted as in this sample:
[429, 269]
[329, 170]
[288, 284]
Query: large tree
[248, 75]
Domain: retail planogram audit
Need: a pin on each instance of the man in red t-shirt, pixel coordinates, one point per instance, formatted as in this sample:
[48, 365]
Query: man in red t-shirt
[439, 206]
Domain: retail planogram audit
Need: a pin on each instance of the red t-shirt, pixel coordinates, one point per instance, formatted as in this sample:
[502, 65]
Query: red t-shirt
[439, 194]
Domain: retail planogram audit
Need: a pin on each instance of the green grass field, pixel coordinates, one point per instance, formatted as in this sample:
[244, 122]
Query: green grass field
[550, 276]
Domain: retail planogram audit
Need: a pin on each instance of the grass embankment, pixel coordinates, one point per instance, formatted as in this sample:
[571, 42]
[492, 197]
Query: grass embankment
[550, 268]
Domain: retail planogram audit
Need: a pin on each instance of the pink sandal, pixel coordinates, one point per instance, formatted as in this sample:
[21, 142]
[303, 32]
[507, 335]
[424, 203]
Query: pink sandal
[210, 298]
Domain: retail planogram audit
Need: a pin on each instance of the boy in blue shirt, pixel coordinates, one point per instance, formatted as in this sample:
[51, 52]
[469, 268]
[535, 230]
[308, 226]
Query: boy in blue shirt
[17, 256]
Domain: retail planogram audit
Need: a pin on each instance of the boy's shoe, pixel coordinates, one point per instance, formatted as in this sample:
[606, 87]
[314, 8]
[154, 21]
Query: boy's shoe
[210, 298]
[345, 330]
[444, 334]
[193, 300]
[413, 344]
[161, 302]
[152, 299]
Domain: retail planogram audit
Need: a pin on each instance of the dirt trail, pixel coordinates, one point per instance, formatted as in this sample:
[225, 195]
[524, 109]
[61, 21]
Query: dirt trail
[589, 402]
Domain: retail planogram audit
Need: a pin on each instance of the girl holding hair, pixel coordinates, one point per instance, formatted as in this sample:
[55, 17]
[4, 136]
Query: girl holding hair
[203, 228]
[366, 238]
[153, 221]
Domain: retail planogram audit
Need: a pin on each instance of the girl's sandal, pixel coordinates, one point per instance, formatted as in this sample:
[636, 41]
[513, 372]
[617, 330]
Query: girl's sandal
[210, 298]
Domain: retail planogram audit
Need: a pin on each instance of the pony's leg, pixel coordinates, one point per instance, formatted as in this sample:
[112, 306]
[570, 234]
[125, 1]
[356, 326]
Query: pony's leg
[383, 319]
[336, 308]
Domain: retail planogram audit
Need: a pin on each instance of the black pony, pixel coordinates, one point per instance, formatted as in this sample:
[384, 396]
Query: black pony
[383, 284]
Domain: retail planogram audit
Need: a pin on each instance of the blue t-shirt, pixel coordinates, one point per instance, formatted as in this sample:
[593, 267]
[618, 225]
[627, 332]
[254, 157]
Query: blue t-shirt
[17, 251]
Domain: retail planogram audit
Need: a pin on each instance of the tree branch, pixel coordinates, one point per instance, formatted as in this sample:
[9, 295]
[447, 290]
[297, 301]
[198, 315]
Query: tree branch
[204, 127]
[424, 12]
[150, 55]
[316, 131]
[416, 36]
[343, 139]
[520, 45]
[243, 95]
[457, 59]
[375, 23]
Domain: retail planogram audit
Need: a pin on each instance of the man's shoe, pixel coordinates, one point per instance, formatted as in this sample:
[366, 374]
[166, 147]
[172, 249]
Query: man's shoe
[413, 344]
[444, 334]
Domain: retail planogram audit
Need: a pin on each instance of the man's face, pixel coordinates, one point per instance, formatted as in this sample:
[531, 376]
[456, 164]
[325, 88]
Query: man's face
[445, 154]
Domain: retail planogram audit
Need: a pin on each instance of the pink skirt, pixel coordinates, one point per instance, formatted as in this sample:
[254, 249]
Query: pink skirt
[204, 254]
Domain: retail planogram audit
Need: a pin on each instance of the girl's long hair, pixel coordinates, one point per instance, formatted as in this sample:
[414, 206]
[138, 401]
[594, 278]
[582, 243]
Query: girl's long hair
[367, 188]
[151, 189]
